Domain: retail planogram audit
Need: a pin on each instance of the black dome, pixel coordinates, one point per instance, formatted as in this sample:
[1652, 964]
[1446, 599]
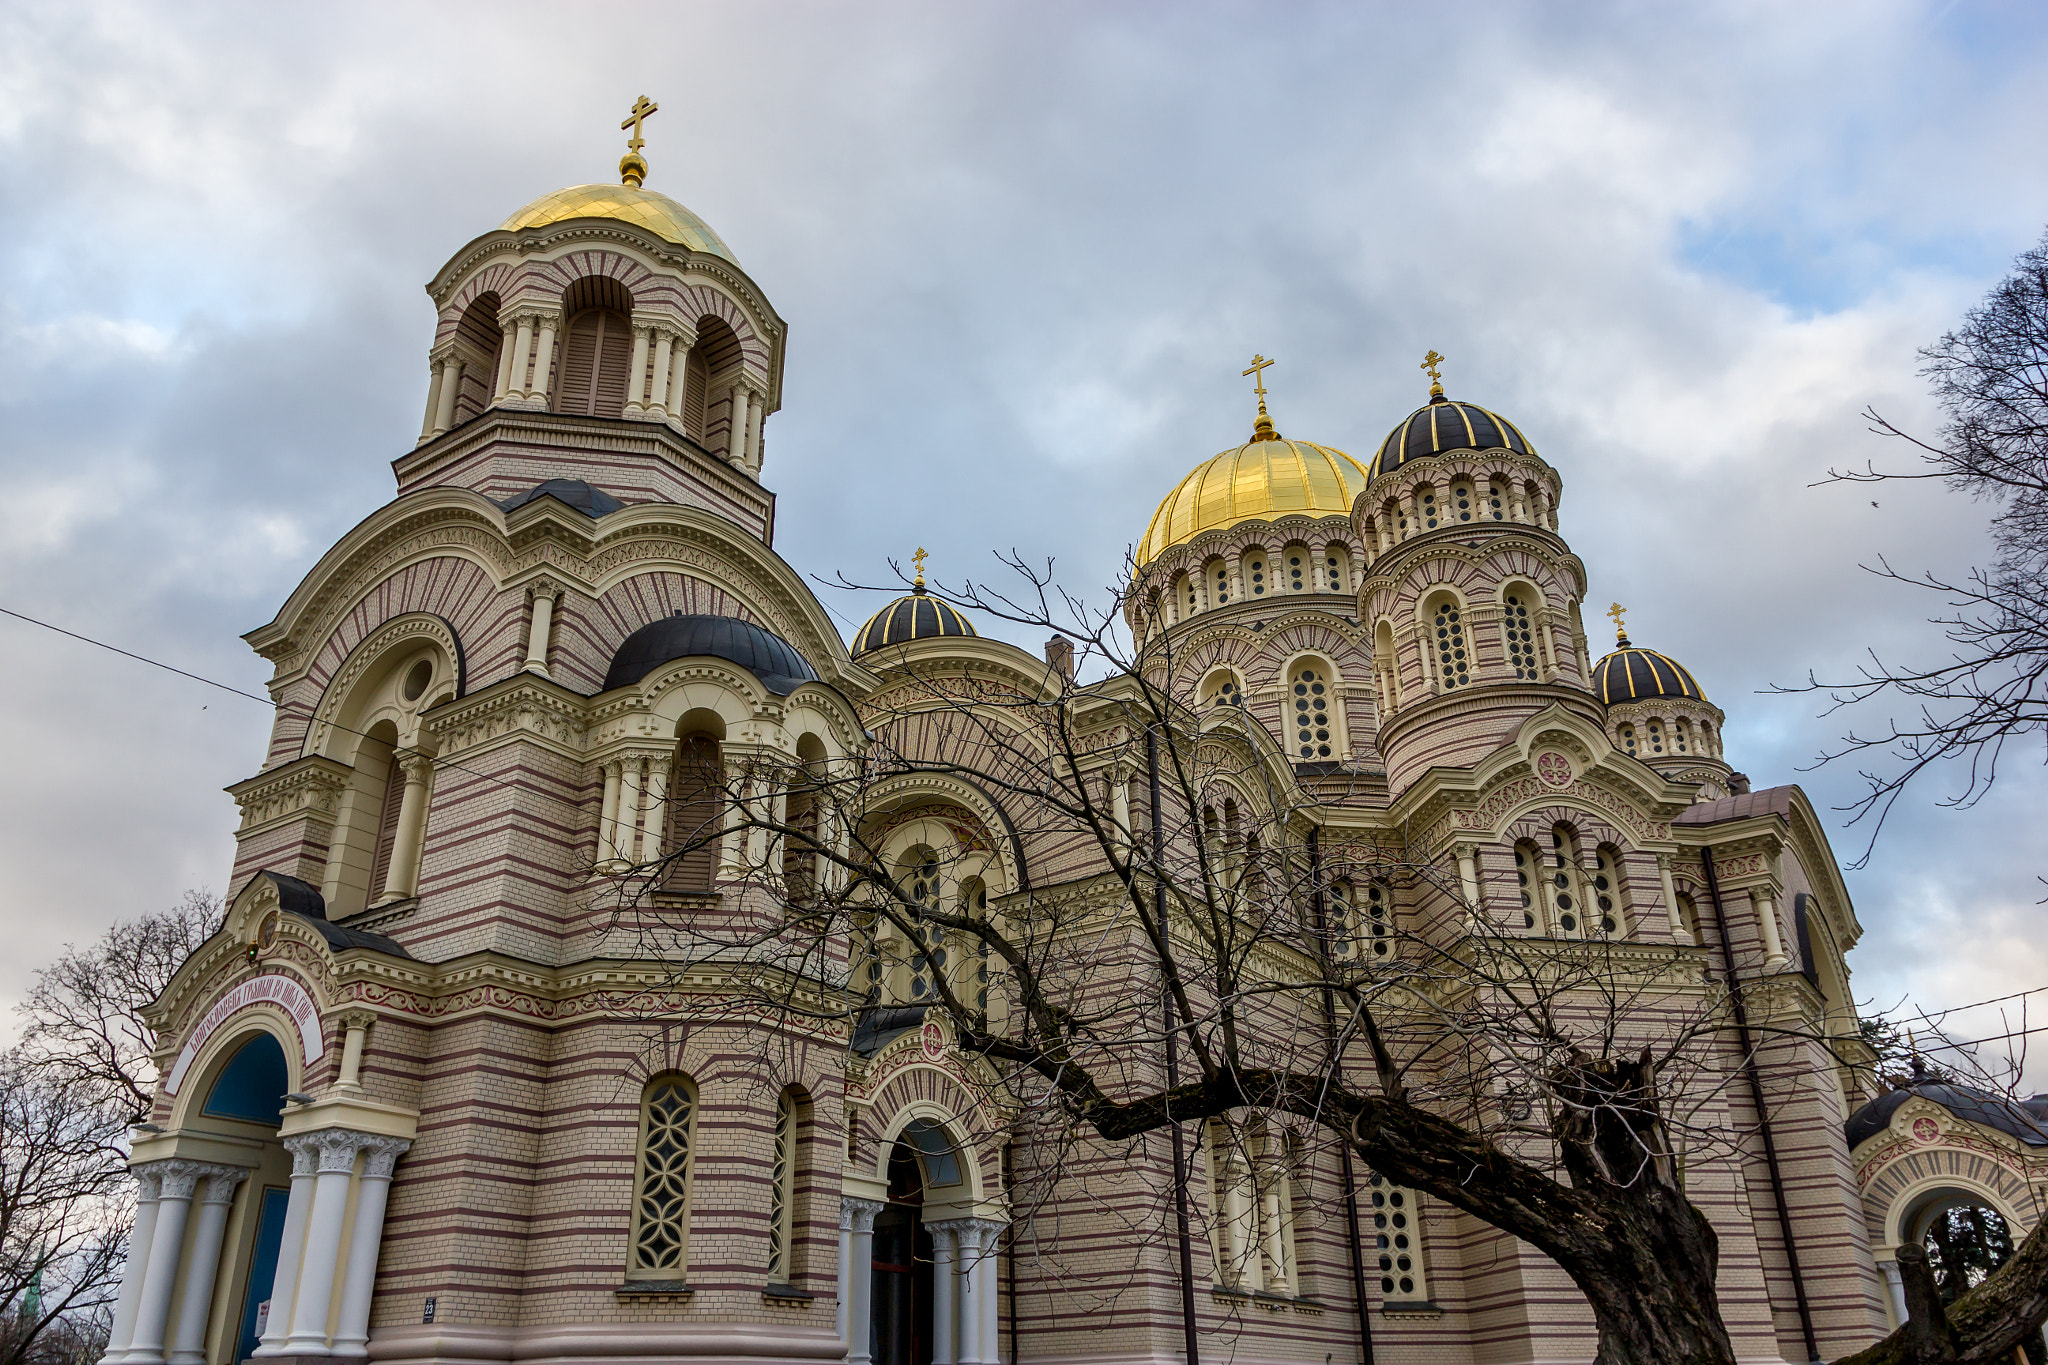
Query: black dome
[2019, 1120]
[917, 616]
[1631, 674]
[763, 653]
[1442, 424]
[591, 502]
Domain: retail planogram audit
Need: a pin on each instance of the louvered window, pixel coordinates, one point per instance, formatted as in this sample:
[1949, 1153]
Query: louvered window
[595, 358]
[696, 811]
[387, 827]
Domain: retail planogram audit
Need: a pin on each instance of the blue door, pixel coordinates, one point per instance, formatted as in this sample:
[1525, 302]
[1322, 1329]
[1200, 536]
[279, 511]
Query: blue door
[262, 1269]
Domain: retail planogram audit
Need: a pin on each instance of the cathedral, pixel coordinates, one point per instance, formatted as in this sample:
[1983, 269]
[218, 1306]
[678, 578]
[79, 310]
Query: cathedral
[441, 1089]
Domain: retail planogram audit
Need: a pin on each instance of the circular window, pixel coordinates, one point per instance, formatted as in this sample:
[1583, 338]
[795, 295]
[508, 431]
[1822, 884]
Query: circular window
[416, 679]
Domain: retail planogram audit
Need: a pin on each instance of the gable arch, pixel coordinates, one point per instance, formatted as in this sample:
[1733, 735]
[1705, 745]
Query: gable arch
[352, 701]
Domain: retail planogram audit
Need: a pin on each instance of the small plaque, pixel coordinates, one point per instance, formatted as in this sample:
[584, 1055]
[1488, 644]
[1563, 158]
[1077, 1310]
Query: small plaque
[1554, 768]
[1926, 1130]
[934, 1040]
[427, 1311]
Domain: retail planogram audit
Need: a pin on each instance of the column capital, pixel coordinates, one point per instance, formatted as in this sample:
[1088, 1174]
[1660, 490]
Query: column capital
[221, 1186]
[858, 1215]
[362, 1019]
[149, 1180]
[305, 1150]
[545, 587]
[382, 1155]
[417, 763]
[181, 1178]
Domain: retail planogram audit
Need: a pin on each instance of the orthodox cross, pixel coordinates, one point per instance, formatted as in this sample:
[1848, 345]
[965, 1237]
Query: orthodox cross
[1617, 611]
[1258, 378]
[918, 559]
[1436, 381]
[642, 107]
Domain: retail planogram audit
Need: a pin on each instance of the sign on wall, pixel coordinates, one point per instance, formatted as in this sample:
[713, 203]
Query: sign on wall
[276, 989]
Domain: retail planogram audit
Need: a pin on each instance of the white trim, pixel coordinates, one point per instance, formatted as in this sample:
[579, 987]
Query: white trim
[275, 989]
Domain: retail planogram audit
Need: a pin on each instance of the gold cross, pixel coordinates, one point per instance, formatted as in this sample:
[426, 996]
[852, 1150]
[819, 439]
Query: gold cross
[918, 559]
[1259, 365]
[642, 107]
[1617, 611]
[1436, 381]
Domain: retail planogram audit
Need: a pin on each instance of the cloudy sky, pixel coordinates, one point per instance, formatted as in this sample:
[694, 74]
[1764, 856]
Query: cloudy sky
[1024, 251]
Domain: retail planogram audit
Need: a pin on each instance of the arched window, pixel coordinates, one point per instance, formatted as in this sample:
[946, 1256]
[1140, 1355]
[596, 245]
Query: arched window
[597, 349]
[1689, 917]
[1183, 596]
[1568, 896]
[782, 1191]
[1529, 877]
[1255, 572]
[1520, 634]
[974, 906]
[1628, 738]
[1222, 688]
[1337, 564]
[1681, 738]
[1397, 1234]
[1425, 507]
[479, 340]
[1496, 500]
[1462, 502]
[1453, 662]
[1386, 666]
[696, 815]
[377, 749]
[929, 960]
[1300, 568]
[1251, 1202]
[1610, 893]
[1219, 580]
[1315, 732]
[661, 1210]
[1656, 728]
[1360, 930]
[696, 392]
[1276, 1211]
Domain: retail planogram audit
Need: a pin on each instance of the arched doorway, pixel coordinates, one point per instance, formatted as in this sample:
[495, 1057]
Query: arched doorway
[250, 1089]
[902, 1269]
[1966, 1240]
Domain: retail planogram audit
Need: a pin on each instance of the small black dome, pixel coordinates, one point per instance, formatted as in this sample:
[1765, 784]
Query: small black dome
[1442, 424]
[591, 502]
[2017, 1119]
[763, 653]
[917, 616]
[1631, 674]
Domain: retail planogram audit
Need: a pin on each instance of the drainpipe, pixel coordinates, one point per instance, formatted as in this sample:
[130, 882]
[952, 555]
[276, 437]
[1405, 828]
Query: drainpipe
[1315, 872]
[1756, 1095]
[1180, 1155]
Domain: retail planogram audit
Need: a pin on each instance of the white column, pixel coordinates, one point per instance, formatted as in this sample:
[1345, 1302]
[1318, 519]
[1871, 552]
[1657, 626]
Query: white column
[991, 1248]
[322, 1256]
[1468, 875]
[503, 382]
[845, 1240]
[978, 1244]
[636, 373]
[608, 816]
[401, 878]
[736, 429]
[945, 1311]
[1897, 1295]
[149, 1185]
[1120, 807]
[435, 374]
[754, 416]
[522, 357]
[305, 1150]
[1767, 924]
[657, 395]
[166, 1240]
[451, 388]
[366, 1237]
[540, 630]
[628, 826]
[657, 793]
[216, 1198]
[544, 357]
[1679, 933]
[857, 1277]
[356, 1024]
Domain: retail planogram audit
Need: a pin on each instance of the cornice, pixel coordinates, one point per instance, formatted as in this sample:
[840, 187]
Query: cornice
[309, 785]
[1390, 568]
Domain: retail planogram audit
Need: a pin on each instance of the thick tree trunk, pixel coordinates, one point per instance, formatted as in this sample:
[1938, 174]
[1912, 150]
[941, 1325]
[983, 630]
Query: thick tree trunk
[1983, 1327]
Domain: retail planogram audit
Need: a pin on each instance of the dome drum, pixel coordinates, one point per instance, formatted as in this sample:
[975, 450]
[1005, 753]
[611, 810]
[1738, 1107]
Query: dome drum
[1458, 492]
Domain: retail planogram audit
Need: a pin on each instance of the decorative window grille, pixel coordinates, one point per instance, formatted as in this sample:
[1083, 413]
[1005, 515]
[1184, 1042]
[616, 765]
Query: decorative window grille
[1337, 576]
[1461, 501]
[1257, 569]
[1528, 877]
[1398, 1234]
[1360, 929]
[1607, 893]
[1628, 738]
[930, 959]
[1453, 668]
[1521, 637]
[1567, 895]
[1496, 500]
[1656, 737]
[661, 1221]
[782, 1191]
[1312, 713]
[1295, 580]
[1222, 585]
[1426, 509]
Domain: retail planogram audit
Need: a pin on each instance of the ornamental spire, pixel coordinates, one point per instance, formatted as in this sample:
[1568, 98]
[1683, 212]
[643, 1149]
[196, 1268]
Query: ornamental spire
[1436, 381]
[918, 559]
[1617, 611]
[1262, 429]
[633, 166]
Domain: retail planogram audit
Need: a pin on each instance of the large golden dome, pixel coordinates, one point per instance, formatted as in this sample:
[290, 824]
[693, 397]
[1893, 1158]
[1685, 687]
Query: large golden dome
[657, 213]
[1261, 479]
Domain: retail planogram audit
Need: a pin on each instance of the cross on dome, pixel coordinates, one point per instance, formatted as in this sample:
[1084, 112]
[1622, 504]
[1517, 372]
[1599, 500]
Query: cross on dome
[1262, 429]
[633, 166]
[1436, 381]
[1617, 611]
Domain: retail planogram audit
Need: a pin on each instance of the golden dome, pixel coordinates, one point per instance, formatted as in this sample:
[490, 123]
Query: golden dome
[657, 213]
[1267, 477]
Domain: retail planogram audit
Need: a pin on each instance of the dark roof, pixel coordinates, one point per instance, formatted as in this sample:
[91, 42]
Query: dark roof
[1769, 801]
[2015, 1118]
[295, 897]
[591, 502]
[917, 616]
[761, 652]
[1442, 424]
[1631, 674]
[880, 1023]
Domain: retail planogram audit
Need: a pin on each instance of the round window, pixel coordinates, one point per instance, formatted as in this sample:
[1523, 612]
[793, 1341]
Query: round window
[417, 678]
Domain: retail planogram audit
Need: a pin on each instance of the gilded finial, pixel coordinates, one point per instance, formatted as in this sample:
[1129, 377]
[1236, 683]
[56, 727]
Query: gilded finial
[1262, 429]
[918, 559]
[633, 166]
[1436, 381]
[1617, 611]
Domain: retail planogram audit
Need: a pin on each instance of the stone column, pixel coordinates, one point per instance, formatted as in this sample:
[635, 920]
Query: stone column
[1544, 516]
[338, 1148]
[628, 824]
[657, 394]
[305, 1150]
[608, 816]
[435, 373]
[1120, 808]
[1413, 524]
[980, 1243]
[736, 427]
[543, 358]
[1767, 925]
[402, 877]
[503, 382]
[1679, 933]
[217, 1197]
[1897, 1291]
[166, 1241]
[149, 1185]
[450, 389]
[366, 1237]
[1468, 876]
[657, 794]
[636, 372]
[754, 416]
[944, 1310]
[540, 630]
[357, 1025]
[857, 1276]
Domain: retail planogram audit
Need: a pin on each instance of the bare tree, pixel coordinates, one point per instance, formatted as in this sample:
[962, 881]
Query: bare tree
[83, 1016]
[1181, 940]
[1991, 378]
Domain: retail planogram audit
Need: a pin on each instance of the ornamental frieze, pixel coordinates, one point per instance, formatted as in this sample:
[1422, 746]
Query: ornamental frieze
[1491, 813]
